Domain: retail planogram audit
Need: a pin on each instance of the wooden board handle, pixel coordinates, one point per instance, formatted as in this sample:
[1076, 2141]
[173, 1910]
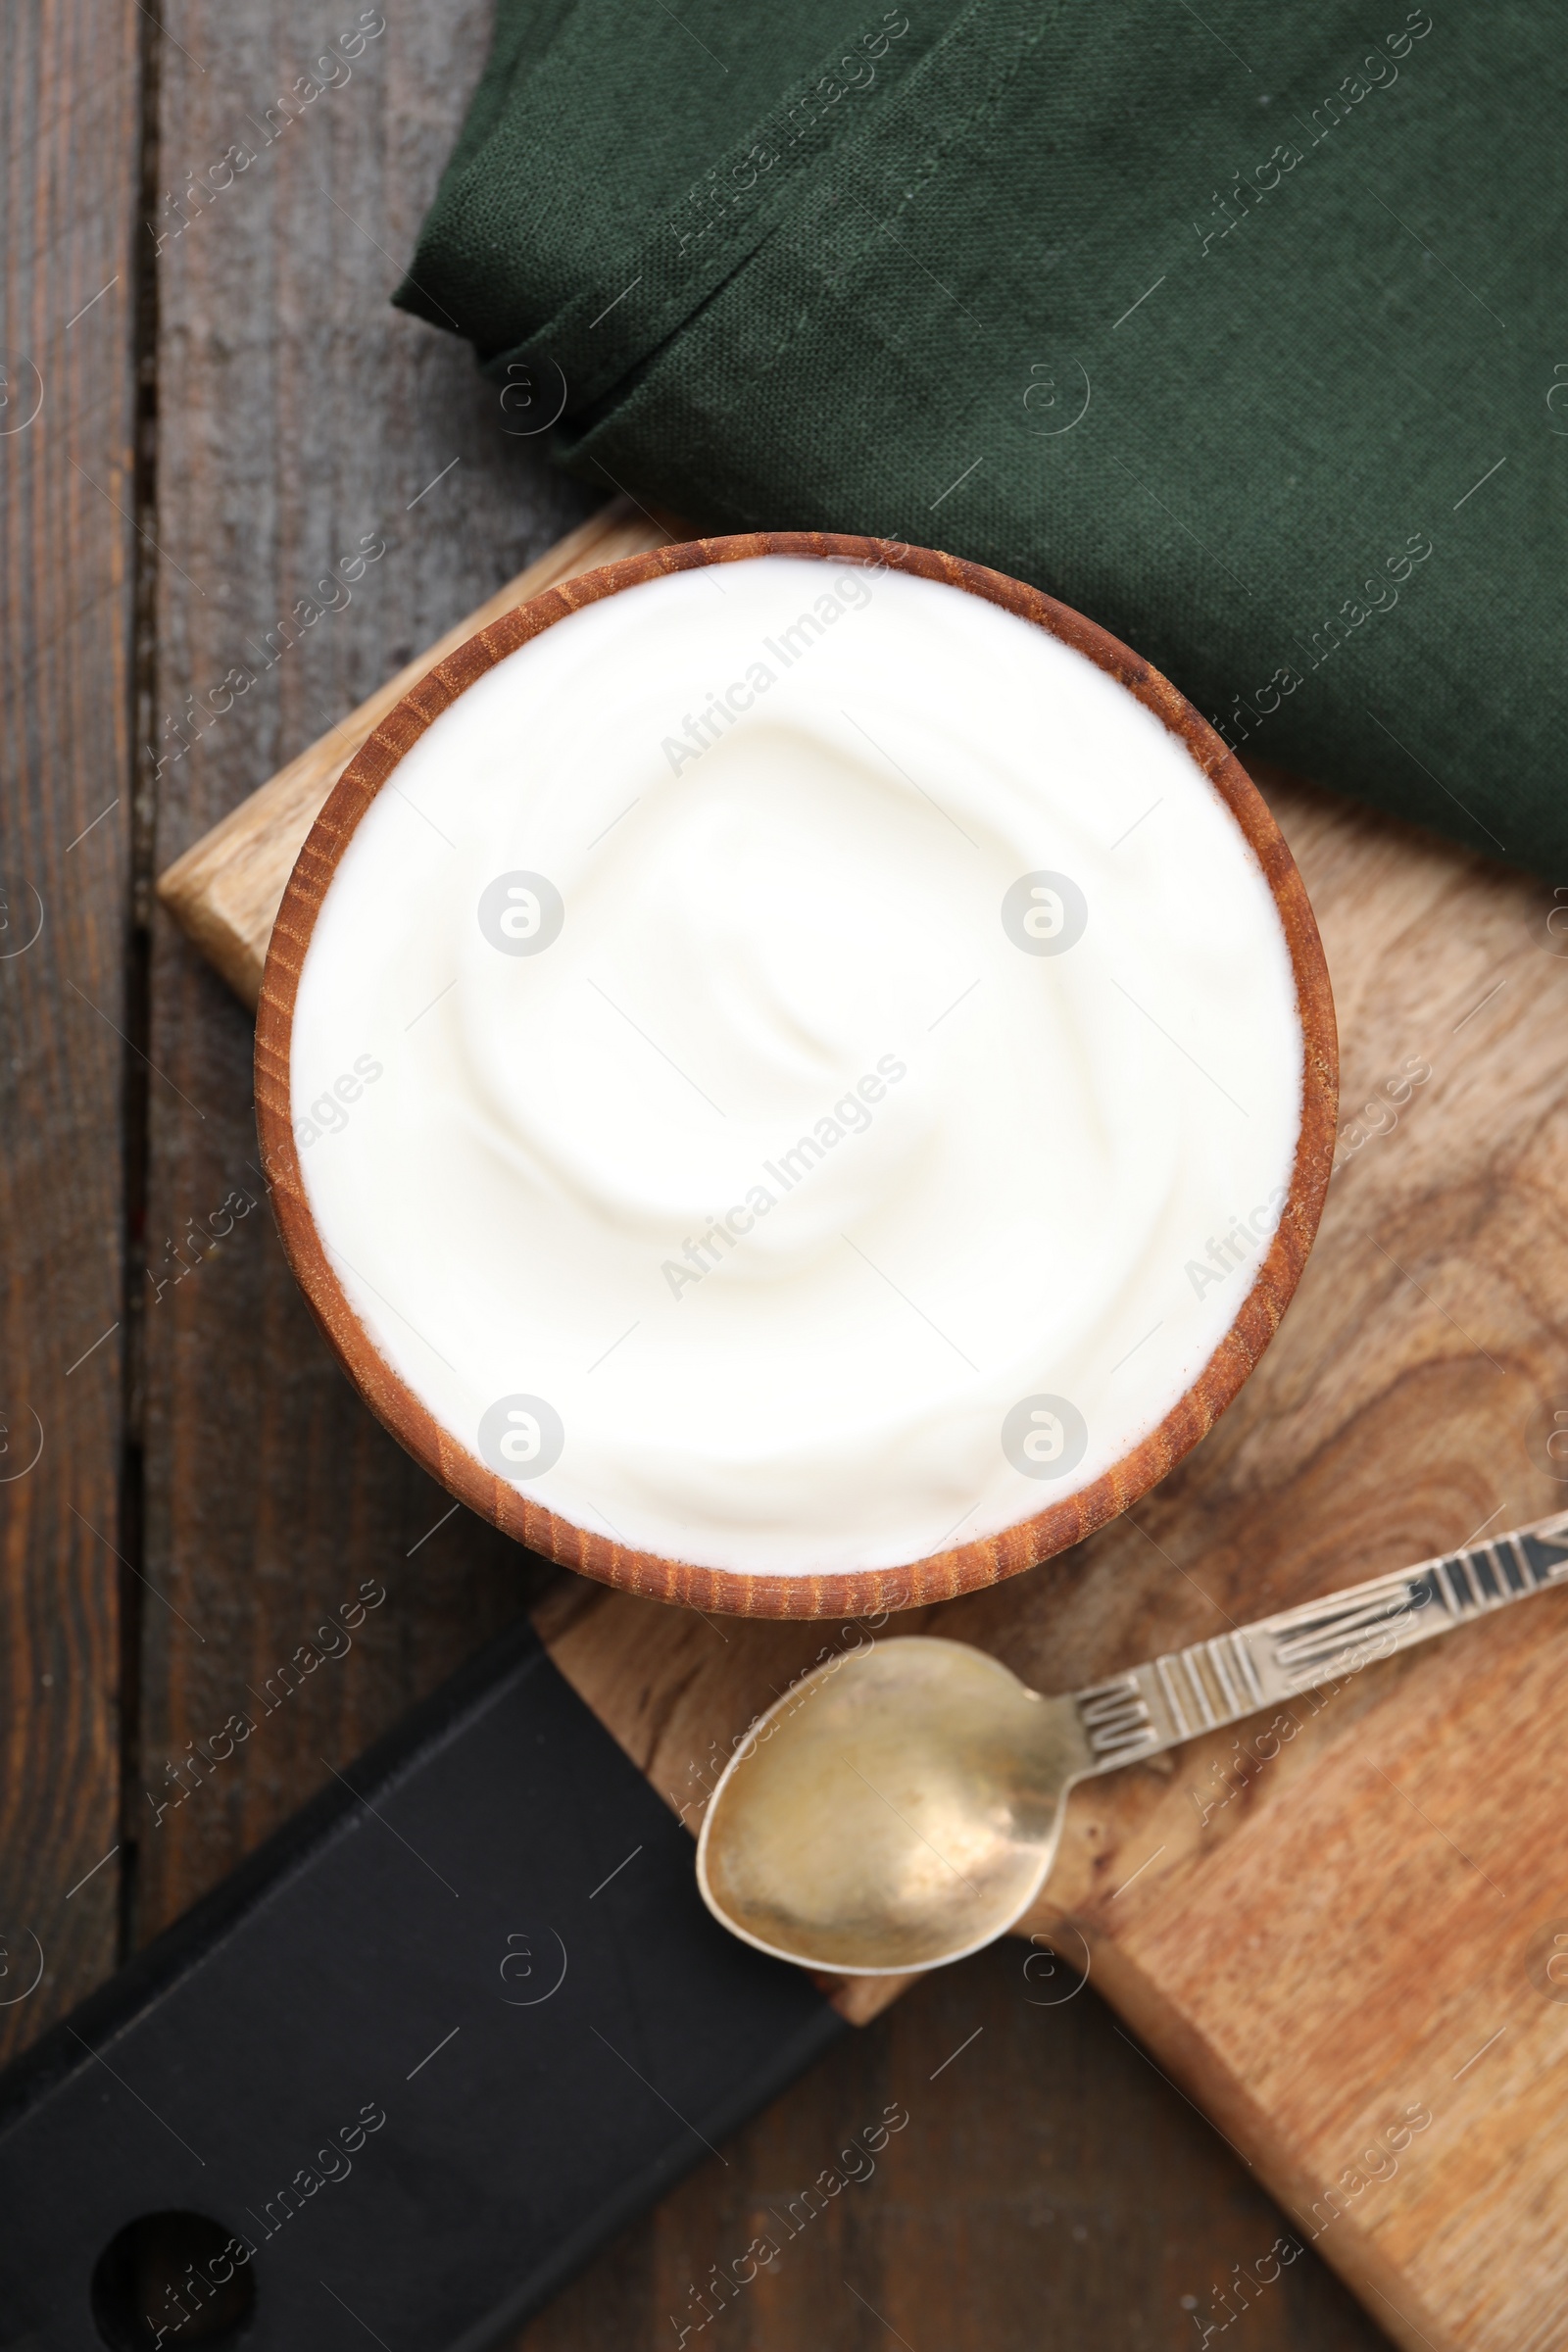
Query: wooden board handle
[225, 889]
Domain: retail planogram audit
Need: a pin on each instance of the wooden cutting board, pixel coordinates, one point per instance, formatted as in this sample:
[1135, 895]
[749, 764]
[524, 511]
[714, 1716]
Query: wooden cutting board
[1334, 1928]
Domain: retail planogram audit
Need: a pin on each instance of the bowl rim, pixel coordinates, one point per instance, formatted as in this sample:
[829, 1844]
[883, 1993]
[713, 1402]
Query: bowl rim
[964, 1567]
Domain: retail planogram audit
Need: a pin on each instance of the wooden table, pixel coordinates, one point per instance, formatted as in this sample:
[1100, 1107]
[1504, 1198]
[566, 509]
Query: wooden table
[220, 422]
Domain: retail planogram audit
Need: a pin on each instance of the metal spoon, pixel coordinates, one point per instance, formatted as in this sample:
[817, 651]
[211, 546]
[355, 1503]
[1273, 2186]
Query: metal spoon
[901, 1805]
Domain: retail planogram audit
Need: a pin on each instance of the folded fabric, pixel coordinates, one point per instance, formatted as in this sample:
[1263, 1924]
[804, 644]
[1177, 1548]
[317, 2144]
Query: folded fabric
[1242, 332]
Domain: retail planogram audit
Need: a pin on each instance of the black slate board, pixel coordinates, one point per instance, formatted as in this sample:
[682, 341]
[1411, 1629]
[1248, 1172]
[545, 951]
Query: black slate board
[489, 1934]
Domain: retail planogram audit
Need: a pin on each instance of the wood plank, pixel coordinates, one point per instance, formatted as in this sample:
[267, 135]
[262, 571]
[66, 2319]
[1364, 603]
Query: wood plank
[1049, 2189]
[302, 423]
[67, 433]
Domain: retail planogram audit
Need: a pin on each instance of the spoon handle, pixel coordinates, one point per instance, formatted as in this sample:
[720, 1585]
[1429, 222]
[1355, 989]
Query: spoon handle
[1187, 1691]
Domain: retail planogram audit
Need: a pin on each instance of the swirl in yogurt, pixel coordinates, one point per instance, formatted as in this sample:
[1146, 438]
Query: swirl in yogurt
[837, 1061]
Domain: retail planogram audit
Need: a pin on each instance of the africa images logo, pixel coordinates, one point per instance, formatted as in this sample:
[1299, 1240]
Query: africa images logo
[1044, 913]
[521, 914]
[521, 1437]
[1045, 1437]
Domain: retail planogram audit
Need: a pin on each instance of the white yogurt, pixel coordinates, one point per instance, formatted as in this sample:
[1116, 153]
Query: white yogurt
[797, 1068]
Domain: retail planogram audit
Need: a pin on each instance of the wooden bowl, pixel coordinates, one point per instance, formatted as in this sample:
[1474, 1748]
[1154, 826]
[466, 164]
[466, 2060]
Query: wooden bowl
[966, 1565]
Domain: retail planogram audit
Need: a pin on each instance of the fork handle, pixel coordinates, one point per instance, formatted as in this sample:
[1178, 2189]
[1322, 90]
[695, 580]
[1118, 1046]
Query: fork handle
[1187, 1691]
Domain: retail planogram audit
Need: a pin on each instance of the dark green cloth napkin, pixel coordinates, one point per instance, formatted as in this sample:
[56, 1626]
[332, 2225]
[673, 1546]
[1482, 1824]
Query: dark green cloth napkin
[1242, 332]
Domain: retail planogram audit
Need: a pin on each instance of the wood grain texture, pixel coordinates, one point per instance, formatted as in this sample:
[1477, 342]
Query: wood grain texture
[1363, 1921]
[1257, 1306]
[1341, 1912]
[302, 422]
[225, 891]
[1049, 2189]
[66, 420]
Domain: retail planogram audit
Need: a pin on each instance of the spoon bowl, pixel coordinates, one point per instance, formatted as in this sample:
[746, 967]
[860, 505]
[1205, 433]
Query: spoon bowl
[901, 1805]
[895, 1810]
